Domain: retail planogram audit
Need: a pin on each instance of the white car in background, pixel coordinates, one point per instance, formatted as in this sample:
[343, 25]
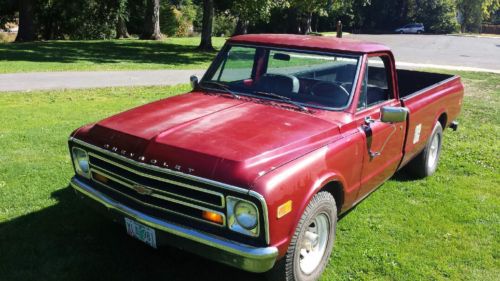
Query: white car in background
[415, 28]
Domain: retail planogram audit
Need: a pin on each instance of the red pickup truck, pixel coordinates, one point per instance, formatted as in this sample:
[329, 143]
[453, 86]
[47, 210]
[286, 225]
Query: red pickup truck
[252, 168]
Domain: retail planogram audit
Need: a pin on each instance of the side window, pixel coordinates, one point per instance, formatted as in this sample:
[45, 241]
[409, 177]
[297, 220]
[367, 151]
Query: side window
[237, 65]
[375, 87]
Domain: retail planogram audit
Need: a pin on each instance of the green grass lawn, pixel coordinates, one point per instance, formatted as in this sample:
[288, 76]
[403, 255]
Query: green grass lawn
[130, 54]
[445, 227]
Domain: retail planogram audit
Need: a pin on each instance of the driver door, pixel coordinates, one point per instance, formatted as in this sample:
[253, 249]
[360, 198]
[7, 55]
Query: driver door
[383, 147]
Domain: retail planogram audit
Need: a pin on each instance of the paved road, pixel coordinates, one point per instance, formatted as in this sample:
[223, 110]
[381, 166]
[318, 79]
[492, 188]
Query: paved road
[95, 79]
[441, 51]
[411, 51]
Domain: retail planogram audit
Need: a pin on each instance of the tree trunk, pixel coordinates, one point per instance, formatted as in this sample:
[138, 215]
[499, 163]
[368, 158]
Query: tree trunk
[241, 27]
[316, 23]
[121, 28]
[26, 22]
[308, 23]
[152, 21]
[206, 30]
[403, 14]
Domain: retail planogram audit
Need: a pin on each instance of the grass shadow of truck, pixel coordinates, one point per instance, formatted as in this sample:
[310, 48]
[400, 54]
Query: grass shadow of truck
[67, 241]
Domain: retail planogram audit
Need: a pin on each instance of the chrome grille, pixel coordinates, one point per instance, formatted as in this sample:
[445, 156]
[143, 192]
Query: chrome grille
[172, 195]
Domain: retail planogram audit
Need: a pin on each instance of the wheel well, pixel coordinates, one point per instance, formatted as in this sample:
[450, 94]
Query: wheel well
[443, 119]
[336, 190]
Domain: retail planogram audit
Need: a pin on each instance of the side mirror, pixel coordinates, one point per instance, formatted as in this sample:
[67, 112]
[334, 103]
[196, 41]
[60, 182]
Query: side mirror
[390, 114]
[194, 81]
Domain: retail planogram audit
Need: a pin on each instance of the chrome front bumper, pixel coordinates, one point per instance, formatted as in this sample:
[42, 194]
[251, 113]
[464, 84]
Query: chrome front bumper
[215, 248]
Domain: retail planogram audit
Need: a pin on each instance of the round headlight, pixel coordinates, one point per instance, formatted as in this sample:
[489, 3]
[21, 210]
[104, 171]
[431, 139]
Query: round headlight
[81, 161]
[246, 215]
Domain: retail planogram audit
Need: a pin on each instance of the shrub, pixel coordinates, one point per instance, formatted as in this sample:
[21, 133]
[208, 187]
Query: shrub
[224, 24]
[177, 20]
[6, 37]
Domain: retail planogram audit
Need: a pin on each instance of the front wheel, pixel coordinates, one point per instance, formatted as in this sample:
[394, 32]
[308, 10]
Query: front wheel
[311, 244]
[425, 163]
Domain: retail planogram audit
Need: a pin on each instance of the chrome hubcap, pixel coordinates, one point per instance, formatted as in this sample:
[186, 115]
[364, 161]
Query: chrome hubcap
[433, 153]
[313, 245]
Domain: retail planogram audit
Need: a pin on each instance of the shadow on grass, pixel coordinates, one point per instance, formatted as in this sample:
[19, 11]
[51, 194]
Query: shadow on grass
[69, 241]
[101, 52]
[404, 175]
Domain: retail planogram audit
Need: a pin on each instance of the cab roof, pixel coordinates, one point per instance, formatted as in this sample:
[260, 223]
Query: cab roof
[318, 43]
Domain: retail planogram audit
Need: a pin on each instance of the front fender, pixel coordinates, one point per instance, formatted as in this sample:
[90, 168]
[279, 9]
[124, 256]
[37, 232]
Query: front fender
[302, 178]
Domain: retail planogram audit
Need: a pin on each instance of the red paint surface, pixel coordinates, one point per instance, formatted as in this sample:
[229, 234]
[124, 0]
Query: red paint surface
[323, 43]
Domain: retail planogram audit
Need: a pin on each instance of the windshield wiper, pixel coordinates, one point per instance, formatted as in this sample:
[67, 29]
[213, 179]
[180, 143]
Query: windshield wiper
[283, 98]
[222, 86]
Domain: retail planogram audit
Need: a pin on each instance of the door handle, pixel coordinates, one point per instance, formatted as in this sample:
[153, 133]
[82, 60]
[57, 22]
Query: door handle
[369, 137]
[374, 154]
[369, 120]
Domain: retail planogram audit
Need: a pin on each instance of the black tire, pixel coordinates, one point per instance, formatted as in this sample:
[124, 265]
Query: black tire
[421, 165]
[289, 268]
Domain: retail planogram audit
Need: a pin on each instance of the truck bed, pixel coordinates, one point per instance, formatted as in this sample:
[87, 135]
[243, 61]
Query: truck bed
[412, 82]
[430, 97]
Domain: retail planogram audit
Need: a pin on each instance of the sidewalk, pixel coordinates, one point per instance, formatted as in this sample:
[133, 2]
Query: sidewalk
[492, 36]
[24, 82]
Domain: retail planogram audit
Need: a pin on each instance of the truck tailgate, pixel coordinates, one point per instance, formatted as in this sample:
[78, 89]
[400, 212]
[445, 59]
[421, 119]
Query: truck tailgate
[437, 102]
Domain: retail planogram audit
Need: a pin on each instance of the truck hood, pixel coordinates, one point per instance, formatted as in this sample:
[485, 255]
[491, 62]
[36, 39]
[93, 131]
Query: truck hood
[212, 136]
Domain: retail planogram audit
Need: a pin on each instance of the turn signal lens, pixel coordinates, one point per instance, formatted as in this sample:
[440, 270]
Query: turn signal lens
[213, 217]
[284, 209]
[100, 178]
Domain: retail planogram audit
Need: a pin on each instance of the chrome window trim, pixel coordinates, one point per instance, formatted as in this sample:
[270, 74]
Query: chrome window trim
[359, 57]
[233, 188]
[159, 179]
[163, 209]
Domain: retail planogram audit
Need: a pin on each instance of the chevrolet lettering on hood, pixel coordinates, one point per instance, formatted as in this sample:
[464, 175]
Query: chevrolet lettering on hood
[143, 159]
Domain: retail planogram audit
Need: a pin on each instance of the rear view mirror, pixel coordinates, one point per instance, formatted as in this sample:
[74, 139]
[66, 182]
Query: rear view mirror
[390, 114]
[194, 81]
[281, 56]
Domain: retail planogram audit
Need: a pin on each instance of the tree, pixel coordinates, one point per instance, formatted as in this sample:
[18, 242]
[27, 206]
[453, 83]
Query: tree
[251, 11]
[152, 21]
[490, 8]
[7, 12]
[307, 8]
[471, 14]
[438, 16]
[121, 28]
[206, 29]
[26, 21]
[122, 16]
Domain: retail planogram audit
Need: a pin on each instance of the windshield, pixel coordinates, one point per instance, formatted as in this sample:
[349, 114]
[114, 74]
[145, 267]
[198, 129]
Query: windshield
[310, 79]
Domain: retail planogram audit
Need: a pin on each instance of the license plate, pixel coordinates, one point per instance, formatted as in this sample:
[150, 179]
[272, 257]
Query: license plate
[141, 232]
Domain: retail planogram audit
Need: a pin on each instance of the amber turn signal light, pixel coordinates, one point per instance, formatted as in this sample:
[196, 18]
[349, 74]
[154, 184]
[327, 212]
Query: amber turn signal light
[100, 178]
[213, 217]
[284, 209]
